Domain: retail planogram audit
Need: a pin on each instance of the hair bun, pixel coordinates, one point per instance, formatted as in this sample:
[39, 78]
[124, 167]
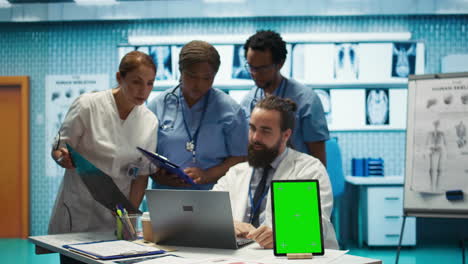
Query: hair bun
[292, 105]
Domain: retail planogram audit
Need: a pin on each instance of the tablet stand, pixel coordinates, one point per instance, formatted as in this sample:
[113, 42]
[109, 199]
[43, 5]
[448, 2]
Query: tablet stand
[299, 255]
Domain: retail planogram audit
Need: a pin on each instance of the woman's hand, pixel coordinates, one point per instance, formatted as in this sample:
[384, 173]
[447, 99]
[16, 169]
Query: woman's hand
[198, 175]
[62, 157]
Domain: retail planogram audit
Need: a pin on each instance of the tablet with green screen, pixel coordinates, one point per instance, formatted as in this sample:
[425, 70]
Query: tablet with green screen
[297, 221]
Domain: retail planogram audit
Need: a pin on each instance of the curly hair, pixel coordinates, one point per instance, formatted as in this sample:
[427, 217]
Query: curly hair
[268, 40]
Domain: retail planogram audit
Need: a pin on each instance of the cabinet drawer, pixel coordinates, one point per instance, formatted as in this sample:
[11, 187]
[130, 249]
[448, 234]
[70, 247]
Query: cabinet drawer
[384, 201]
[387, 232]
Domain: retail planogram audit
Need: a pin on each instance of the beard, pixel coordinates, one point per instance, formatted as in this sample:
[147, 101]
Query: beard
[263, 157]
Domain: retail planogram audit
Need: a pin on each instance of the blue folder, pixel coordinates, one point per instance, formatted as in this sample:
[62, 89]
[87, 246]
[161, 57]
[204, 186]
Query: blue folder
[163, 162]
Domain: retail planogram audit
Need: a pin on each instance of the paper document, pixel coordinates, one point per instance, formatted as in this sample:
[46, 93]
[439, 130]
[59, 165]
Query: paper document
[100, 185]
[114, 249]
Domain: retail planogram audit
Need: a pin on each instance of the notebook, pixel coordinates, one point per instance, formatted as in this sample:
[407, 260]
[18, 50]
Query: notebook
[192, 218]
[113, 249]
[297, 217]
[163, 162]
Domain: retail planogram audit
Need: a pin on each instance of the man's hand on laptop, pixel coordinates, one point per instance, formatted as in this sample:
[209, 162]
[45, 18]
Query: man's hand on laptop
[263, 236]
[162, 177]
[242, 229]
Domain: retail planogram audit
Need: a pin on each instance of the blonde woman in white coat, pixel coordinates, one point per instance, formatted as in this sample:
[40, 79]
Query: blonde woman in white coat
[106, 127]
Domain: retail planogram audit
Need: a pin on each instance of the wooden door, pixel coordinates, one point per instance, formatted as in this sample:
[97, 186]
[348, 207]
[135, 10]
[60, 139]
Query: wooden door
[14, 157]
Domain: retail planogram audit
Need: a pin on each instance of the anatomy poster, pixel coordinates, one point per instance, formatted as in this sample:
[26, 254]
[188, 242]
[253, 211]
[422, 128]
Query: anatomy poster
[61, 91]
[440, 148]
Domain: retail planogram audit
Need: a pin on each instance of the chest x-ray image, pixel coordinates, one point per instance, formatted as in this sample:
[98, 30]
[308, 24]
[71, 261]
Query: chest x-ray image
[325, 99]
[403, 59]
[162, 57]
[346, 62]
[238, 64]
[377, 107]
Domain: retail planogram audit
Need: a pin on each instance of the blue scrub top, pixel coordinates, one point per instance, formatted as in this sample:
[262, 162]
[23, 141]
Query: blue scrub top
[311, 125]
[223, 133]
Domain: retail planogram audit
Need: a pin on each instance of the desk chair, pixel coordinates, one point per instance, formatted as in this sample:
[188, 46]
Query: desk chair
[335, 172]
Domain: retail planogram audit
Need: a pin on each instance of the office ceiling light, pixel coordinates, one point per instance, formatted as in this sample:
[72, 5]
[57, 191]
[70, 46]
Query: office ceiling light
[96, 2]
[4, 4]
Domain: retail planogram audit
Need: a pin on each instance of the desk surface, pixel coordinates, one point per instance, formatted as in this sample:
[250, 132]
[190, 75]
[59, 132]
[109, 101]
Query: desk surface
[386, 180]
[54, 243]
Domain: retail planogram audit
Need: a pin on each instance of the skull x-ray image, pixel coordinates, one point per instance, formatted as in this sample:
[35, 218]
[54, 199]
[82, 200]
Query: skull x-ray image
[162, 57]
[238, 64]
[377, 107]
[346, 62]
[324, 95]
[403, 59]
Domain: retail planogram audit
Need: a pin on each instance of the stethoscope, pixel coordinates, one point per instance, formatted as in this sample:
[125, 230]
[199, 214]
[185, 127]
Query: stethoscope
[192, 143]
[257, 98]
[170, 96]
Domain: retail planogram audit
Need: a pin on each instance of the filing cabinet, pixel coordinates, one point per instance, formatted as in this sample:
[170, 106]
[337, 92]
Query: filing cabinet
[382, 209]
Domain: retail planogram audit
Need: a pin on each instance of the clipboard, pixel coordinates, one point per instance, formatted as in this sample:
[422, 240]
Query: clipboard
[166, 164]
[107, 249]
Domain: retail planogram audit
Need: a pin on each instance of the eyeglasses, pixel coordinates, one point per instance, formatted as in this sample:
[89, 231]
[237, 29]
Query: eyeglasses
[259, 69]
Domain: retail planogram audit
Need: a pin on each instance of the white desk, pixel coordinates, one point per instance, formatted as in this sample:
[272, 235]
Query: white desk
[53, 244]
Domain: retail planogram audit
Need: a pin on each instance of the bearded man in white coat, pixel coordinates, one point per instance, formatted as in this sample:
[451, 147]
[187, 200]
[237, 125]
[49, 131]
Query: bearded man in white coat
[271, 158]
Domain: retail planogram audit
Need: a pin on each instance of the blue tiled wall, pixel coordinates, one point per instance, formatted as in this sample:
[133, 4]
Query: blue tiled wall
[40, 49]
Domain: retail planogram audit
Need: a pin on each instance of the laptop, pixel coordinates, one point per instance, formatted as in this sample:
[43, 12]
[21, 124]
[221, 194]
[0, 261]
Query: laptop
[193, 218]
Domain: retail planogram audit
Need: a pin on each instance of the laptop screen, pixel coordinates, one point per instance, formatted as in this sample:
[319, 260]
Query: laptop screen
[297, 222]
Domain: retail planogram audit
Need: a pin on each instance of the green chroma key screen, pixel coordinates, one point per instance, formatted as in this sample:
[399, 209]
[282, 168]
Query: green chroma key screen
[297, 217]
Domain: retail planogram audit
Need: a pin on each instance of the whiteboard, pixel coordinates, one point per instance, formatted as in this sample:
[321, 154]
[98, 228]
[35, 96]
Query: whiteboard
[436, 145]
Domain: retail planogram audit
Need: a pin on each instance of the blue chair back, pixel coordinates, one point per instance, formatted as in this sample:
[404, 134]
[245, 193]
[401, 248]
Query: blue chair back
[335, 167]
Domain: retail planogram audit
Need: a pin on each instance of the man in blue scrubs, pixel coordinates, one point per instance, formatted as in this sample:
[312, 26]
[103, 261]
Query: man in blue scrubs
[202, 129]
[265, 53]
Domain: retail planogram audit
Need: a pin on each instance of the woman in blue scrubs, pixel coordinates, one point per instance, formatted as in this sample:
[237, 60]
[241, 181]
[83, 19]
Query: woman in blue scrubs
[202, 129]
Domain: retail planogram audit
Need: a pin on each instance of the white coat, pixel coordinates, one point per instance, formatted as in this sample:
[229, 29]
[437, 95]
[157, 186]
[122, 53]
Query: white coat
[93, 128]
[295, 166]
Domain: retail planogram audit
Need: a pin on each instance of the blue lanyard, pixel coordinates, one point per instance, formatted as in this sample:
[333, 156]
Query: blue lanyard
[255, 207]
[193, 140]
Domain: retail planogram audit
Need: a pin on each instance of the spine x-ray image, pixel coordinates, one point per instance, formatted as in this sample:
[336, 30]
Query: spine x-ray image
[238, 64]
[346, 66]
[377, 107]
[403, 59]
[162, 57]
